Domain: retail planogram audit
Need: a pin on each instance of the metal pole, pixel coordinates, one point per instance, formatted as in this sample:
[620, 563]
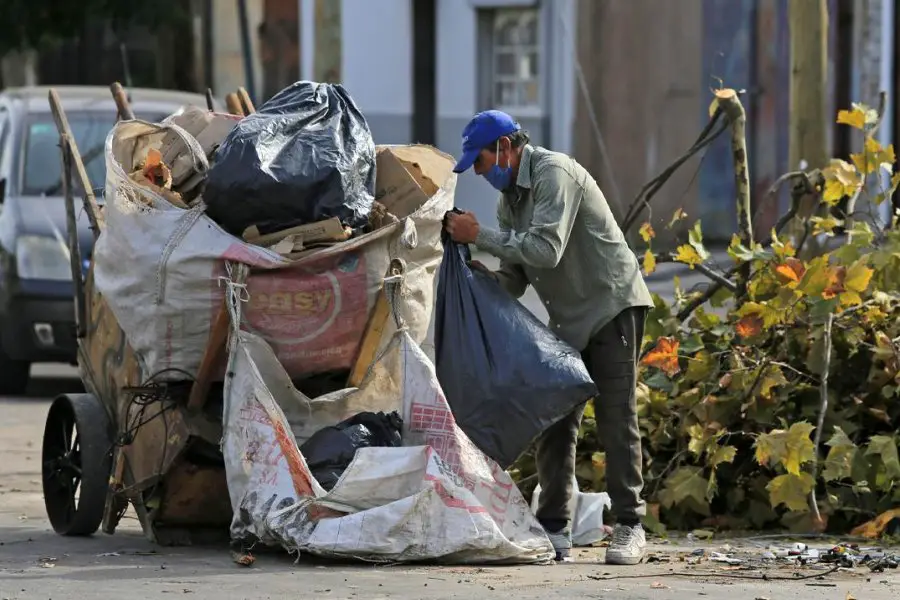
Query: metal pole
[247, 49]
[307, 39]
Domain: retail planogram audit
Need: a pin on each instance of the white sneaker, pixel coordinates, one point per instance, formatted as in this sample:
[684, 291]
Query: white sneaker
[562, 543]
[627, 546]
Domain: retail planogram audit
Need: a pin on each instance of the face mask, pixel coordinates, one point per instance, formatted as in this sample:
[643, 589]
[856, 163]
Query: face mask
[497, 176]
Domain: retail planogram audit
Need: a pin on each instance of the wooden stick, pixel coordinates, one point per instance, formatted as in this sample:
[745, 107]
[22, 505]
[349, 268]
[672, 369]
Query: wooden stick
[122, 104]
[246, 102]
[90, 202]
[371, 339]
[212, 358]
[210, 102]
[233, 103]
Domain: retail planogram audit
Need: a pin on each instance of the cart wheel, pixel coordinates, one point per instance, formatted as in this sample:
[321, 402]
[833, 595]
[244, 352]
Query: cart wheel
[76, 464]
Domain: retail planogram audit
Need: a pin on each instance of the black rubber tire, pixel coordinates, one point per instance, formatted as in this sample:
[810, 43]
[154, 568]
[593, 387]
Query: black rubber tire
[76, 461]
[14, 375]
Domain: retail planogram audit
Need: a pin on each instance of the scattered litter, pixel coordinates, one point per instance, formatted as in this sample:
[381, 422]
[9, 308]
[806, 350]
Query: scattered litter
[656, 585]
[245, 559]
[108, 554]
[47, 562]
[702, 534]
[724, 558]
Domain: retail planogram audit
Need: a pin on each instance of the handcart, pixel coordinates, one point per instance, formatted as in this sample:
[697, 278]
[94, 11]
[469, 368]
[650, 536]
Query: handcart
[142, 441]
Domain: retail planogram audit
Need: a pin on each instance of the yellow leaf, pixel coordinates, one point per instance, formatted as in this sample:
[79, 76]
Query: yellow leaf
[792, 490]
[723, 454]
[677, 216]
[853, 118]
[647, 232]
[817, 277]
[895, 182]
[798, 447]
[772, 378]
[649, 262]
[873, 157]
[858, 276]
[841, 179]
[688, 255]
[664, 356]
[770, 447]
[769, 315]
[825, 225]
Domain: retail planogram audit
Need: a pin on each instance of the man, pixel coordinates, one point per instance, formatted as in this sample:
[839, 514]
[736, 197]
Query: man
[558, 234]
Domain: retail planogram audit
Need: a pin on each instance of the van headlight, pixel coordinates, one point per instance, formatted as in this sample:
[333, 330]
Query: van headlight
[39, 257]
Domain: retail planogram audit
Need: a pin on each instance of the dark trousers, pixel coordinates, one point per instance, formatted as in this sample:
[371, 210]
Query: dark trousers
[611, 358]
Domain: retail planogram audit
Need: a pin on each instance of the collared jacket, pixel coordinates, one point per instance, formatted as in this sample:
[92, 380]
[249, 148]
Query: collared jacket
[558, 234]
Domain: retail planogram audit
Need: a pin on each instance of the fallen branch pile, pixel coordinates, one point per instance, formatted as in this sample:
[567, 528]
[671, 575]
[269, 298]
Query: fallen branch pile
[741, 382]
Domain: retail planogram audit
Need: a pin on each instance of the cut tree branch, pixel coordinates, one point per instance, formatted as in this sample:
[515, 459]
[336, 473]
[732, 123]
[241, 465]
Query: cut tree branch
[823, 407]
[730, 103]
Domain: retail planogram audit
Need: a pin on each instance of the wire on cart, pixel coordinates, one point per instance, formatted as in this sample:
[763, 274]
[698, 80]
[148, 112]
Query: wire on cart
[148, 393]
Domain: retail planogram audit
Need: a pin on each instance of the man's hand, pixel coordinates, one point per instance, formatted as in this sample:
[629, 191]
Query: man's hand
[462, 227]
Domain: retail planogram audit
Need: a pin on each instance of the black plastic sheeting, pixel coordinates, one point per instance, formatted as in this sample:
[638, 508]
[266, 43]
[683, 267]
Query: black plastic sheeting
[306, 155]
[329, 451]
[506, 376]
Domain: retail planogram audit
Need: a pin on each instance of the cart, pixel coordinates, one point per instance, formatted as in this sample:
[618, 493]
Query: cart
[148, 444]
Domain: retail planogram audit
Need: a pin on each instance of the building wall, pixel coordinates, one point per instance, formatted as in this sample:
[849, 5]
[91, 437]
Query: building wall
[228, 58]
[378, 74]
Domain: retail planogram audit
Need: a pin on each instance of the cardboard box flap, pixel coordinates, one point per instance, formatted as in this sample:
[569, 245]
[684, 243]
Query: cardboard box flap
[407, 176]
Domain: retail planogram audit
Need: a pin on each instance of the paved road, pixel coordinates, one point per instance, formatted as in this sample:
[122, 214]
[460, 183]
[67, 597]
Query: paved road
[36, 563]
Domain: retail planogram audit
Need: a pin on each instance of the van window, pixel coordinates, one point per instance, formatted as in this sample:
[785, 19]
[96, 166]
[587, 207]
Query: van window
[42, 166]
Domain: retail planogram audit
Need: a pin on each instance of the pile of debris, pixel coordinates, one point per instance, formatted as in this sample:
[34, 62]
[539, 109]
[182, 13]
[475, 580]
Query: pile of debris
[296, 176]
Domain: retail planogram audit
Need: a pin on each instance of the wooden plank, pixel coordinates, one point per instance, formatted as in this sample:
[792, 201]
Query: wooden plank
[121, 99]
[368, 347]
[378, 320]
[90, 202]
[246, 102]
[212, 358]
[233, 103]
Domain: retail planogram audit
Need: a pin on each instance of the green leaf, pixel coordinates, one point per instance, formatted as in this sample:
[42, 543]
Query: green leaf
[792, 490]
[686, 483]
[701, 367]
[723, 454]
[695, 239]
[791, 448]
[885, 446]
[842, 451]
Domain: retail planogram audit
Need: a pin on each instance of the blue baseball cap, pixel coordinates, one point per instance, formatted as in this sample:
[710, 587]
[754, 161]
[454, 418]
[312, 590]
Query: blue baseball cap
[484, 128]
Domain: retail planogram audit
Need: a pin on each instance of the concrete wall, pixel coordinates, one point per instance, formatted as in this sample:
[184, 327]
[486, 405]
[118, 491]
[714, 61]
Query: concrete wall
[377, 71]
[641, 61]
[228, 59]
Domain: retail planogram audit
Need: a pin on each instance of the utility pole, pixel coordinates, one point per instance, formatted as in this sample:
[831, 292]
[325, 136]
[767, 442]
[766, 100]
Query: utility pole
[328, 45]
[808, 91]
[808, 22]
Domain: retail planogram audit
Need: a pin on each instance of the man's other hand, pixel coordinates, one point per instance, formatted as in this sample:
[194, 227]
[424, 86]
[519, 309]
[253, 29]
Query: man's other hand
[462, 227]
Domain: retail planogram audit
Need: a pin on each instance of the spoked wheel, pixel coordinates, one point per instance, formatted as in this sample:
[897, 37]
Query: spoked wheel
[76, 464]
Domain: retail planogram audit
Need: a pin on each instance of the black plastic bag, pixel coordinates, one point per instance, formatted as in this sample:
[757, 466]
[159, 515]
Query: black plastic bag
[329, 451]
[506, 376]
[306, 155]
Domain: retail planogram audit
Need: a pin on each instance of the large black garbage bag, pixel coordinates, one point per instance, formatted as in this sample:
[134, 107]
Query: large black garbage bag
[306, 155]
[506, 376]
[329, 451]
